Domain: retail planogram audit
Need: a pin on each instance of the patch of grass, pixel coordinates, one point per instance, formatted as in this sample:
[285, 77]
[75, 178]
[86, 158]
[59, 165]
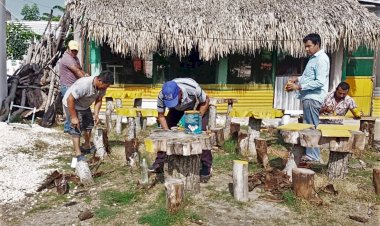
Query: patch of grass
[111, 197]
[161, 217]
[291, 201]
[39, 208]
[223, 162]
[87, 200]
[230, 146]
[105, 212]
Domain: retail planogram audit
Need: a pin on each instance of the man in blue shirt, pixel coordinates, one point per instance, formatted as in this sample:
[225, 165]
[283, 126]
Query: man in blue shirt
[312, 86]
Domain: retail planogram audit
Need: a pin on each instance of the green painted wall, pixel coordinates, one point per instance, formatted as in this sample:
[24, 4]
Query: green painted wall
[359, 62]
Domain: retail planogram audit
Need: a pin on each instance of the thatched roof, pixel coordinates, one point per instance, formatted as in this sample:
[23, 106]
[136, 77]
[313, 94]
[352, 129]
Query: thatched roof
[221, 27]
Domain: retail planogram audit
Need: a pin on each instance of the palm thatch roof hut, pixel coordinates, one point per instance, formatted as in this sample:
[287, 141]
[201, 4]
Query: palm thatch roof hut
[220, 27]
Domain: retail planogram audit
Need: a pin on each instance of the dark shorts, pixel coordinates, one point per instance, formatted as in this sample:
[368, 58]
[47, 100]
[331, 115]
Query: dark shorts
[86, 122]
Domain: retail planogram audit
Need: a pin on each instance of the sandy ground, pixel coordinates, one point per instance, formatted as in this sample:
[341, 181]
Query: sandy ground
[26, 153]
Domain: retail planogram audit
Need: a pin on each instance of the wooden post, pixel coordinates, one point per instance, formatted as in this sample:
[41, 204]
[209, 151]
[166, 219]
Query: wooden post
[212, 113]
[99, 144]
[131, 143]
[227, 127]
[174, 194]
[118, 126]
[138, 122]
[303, 183]
[290, 137]
[262, 155]
[82, 170]
[109, 110]
[240, 178]
[376, 180]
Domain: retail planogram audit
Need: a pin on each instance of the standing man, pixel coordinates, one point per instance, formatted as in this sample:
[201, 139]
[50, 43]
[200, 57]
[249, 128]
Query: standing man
[69, 71]
[312, 86]
[180, 95]
[77, 101]
[338, 103]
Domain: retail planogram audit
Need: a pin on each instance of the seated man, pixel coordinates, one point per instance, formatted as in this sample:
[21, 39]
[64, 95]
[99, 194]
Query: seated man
[338, 103]
[77, 101]
[180, 95]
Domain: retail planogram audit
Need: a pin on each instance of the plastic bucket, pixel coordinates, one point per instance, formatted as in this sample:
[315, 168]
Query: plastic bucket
[193, 122]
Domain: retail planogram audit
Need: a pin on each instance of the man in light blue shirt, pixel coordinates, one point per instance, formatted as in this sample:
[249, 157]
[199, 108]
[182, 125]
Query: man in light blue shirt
[312, 86]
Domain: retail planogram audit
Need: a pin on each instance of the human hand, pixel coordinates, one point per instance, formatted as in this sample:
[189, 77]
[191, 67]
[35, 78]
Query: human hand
[75, 122]
[292, 87]
[96, 120]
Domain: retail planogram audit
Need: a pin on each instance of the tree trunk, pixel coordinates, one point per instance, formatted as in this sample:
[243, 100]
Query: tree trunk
[174, 194]
[358, 143]
[243, 144]
[187, 169]
[131, 143]
[83, 171]
[138, 123]
[303, 183]
[376, 180]
[338, 165]
[118, 125]
[262, 155]
[367, 125]
[240, 178]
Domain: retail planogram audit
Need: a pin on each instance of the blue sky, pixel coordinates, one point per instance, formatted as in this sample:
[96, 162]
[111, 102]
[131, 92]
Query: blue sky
[15, 6]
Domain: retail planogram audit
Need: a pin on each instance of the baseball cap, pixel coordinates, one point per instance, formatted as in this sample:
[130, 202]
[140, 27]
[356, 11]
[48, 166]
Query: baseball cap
[73, 45]
[170, 90]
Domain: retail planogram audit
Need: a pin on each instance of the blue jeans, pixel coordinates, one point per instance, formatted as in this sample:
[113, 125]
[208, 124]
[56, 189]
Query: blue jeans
[66, 125]
[311, 116]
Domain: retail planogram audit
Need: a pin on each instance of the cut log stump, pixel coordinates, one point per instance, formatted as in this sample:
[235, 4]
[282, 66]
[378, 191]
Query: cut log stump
[187, 169]
[303, 183]
[309, 138]
[235, 129]
[109, 110]
[358, 142]
[219, 134]
[376, 180]
[99, 144]
[240, 180]
[338, 165]
[131, 143]
[262, 155]
[290, 137]
[174, 194]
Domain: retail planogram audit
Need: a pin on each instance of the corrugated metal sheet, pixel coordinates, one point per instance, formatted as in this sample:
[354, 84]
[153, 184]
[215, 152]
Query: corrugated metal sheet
[283, 99]
[261, 96]
[376, 107]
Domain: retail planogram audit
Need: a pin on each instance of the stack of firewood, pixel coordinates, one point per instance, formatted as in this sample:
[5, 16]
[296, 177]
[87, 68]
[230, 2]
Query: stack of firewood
[36, 83]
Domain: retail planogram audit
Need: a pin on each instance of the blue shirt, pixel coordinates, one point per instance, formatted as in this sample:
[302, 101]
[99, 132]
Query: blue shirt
[315, 78]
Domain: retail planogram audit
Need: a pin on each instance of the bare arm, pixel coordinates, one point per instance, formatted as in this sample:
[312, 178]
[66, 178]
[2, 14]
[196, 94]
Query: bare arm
[98, 105]
[162, 120]
[73, 114]
[203, 107]
[78, 72]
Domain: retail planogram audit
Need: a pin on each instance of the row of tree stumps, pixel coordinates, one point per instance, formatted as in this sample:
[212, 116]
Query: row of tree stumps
[341, 148]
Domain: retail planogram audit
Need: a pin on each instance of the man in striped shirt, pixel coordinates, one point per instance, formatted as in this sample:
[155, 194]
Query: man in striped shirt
[180, 95]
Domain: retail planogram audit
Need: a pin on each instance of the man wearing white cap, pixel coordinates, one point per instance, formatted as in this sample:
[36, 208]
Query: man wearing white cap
[70, 71]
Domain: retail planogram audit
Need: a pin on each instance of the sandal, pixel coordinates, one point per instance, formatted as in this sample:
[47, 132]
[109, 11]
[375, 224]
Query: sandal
[87, 150]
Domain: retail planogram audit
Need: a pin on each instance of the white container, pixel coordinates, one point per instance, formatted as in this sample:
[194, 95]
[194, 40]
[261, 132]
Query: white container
[74, 162]
[285, 119]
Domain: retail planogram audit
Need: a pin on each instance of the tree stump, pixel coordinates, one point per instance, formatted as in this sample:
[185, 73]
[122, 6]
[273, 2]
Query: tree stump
[303, 183]
[235, 129]
[138, 122]
[310, 138]
[293, 160]
[240, 180]
[367, 125]
[118, 126]
[99, 144]
[227, 127]
[109, 110]
[262, 155]
[243, 144]
[338, 165]
[219, 135]
[376, 180]
[290, 137]
[174, 194]
[358, 142]
[183, 154]
[254, 126]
